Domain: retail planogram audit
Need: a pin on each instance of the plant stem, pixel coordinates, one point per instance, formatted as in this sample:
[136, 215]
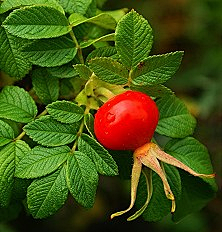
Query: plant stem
[79, 133]
[79, 50]
[22, 134]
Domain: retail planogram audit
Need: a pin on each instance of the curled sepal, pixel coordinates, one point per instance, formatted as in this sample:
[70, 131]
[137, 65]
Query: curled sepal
[136, 171]
[148, 177]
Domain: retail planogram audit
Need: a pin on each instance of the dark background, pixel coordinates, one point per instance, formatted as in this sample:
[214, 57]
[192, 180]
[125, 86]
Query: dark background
[194, 26]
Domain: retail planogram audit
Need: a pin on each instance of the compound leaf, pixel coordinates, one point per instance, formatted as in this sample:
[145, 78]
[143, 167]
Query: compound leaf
[175, 120]
[37, 22]
[82, 178]
[6, 133]
[156, 69]
[49, 132]
[83, 71]
[77, 6]
[41, 161]
[104, 38]
[50, 52]
[17, 104]
[103, 161]
[10, 155]
[196, 192]
[65, 111]
[45, 196]
[133, 39]
[103, 20]
[109, 70]
[11, 4]
[107, 51]
[45, 85]
[12, 61]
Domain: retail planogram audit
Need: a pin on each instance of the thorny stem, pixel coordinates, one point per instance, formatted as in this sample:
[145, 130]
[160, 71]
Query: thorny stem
[22, 134]
[79, 50]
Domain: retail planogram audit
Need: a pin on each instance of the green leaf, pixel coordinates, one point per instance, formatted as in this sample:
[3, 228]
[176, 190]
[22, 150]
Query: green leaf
[10, 155]
[65, 111]
[103, 161]
[196, 191]
[37, 22]
[49, 132]
[156, 69]
[103, 20]
[159, 206]
[156, 91]
[133, 39]
[17, 104]
[77, 6]
[104, 38]
[41, 161]
[11, 4]
[82, 178]
[50, 52]
[175, 120]
[117, 14]
[107, 51]
[89, 124]
[109, 70]
[63, 71]
[47, 195]
[12, 61]
[6, 133]
[45, 85]
[84, 72]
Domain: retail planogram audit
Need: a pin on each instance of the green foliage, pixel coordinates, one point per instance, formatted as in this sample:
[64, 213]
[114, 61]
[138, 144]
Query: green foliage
[17, 105]
[74, 58]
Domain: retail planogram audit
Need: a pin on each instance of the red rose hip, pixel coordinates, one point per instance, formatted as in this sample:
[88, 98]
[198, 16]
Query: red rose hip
[126, 121]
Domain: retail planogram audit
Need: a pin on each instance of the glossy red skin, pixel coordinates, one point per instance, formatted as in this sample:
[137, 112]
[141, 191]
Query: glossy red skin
[127, 121]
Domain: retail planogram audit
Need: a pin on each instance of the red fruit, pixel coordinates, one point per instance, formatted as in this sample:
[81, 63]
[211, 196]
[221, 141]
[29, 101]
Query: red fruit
[126, 121]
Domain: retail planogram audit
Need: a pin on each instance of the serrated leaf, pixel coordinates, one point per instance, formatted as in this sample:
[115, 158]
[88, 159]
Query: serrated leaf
[63, 71]
[82, 178]
[89, 123]
[103, 161]
[50, 52]
[104, 38]
[10, 155]
[17, 104]
[45, 196]
[133, 39]
[6, 133]
[103, 20]
[196, 192]
[109, 70]
[41, 161]
[11, 4]
[65, 111]
[107, 51]
[12, 61]
[37, 22]
[84, 72]
[77, 6]
[156, 91]
[159, 206]
[156, 69]
[175, 120]
[45, 85]
[49, 132]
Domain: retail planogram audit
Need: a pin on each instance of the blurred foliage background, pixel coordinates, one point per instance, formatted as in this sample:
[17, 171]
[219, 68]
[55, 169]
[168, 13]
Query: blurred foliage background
[194, 26]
